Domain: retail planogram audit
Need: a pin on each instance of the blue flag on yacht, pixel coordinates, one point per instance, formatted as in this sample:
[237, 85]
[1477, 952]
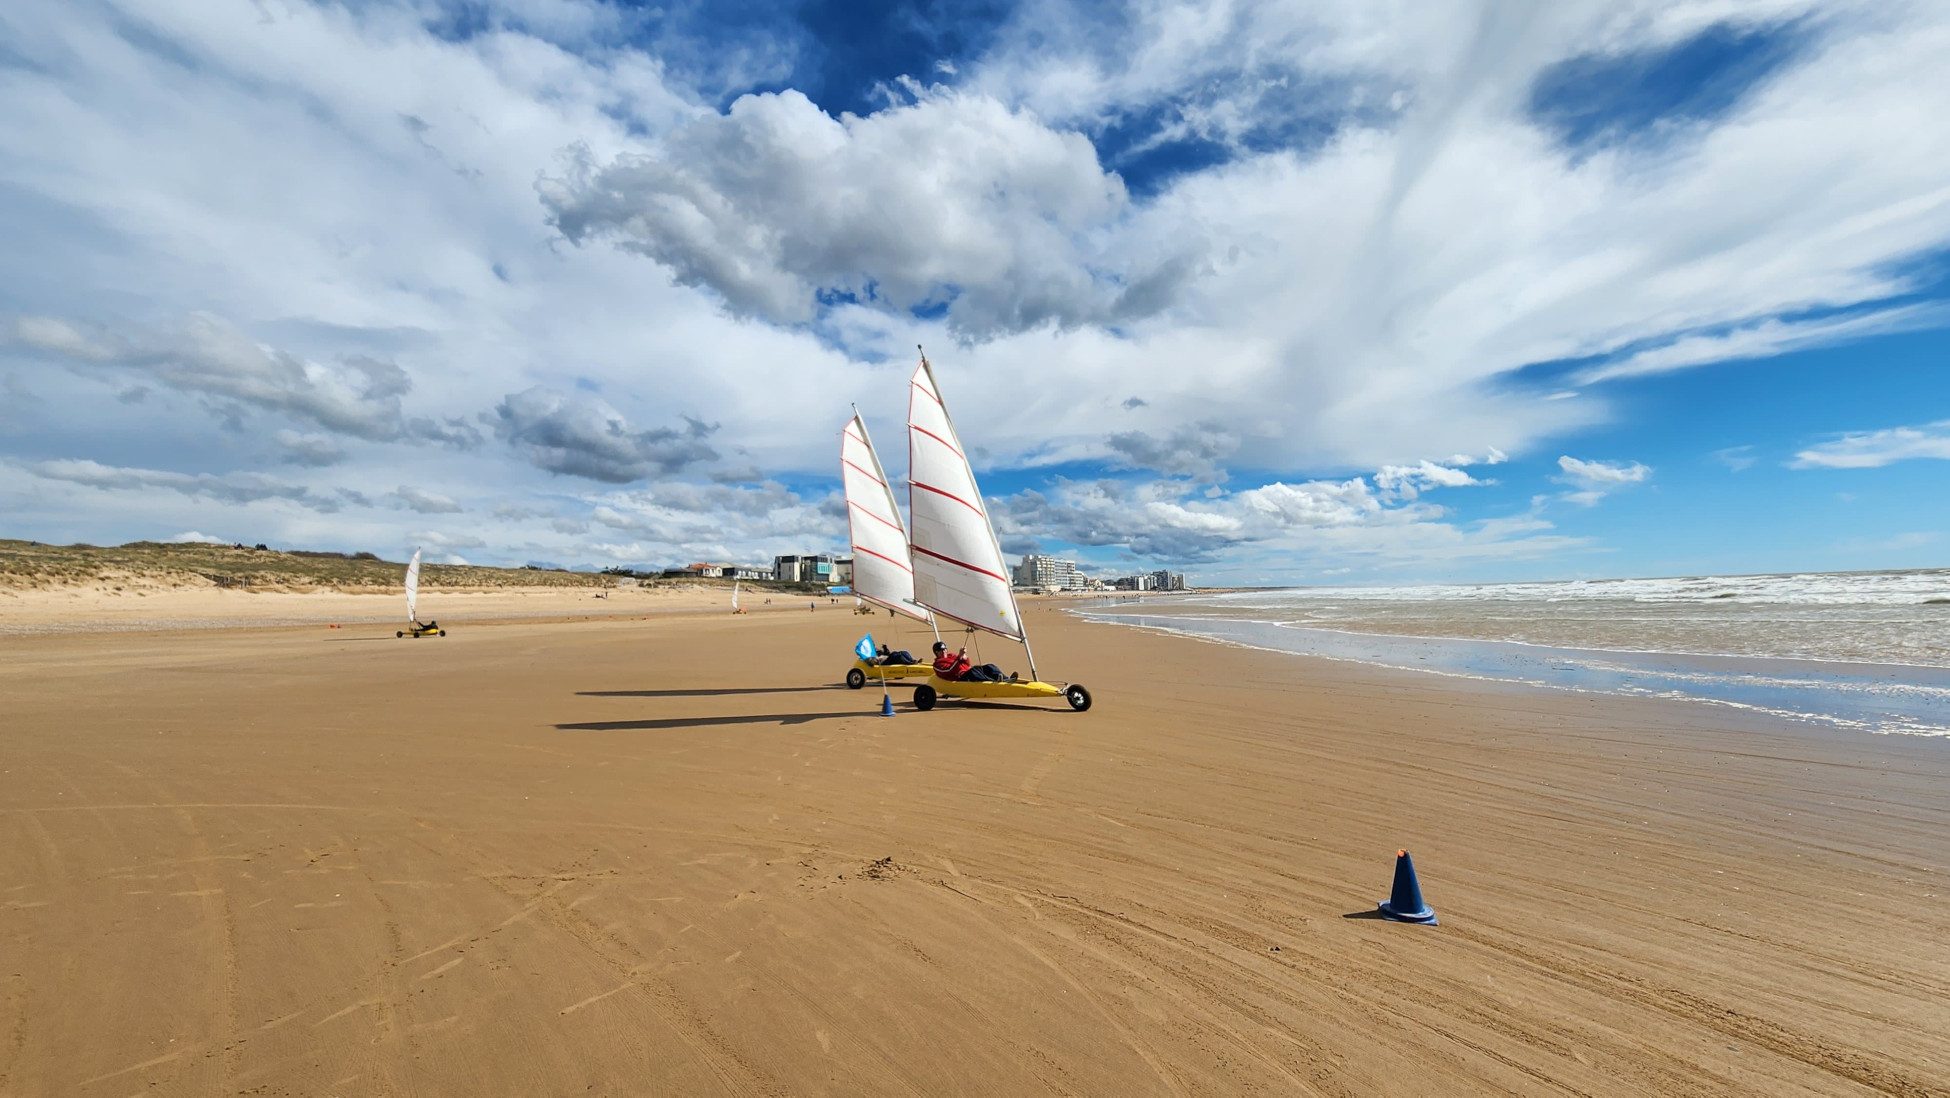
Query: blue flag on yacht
[865, 649]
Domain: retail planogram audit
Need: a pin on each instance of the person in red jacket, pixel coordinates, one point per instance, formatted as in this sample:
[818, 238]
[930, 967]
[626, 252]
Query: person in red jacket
[954, 666]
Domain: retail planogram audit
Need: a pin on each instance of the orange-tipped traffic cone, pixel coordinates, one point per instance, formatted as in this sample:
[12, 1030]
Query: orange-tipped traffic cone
[1404, 903]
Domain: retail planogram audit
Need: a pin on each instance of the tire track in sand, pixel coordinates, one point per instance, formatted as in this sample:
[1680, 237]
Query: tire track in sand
[734, 1073]
[226, 1042]
[1040, 772]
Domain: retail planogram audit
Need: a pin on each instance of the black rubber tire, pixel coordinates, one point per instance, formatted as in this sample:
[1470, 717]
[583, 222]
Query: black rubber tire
[1077, 696]
[924, 697]
[855, 678]
[443, 632]
[400, 633]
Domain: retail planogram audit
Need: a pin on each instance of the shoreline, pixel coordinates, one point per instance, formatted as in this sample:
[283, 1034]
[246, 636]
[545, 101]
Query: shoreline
[670, 854]
[1878, 698]
[1108, 612]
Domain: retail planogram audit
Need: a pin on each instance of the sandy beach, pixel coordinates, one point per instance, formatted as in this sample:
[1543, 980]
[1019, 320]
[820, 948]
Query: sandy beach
[102, 608]
[609, 849]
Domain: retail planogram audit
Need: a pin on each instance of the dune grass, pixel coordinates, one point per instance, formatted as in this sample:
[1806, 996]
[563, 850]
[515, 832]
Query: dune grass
[149, 564]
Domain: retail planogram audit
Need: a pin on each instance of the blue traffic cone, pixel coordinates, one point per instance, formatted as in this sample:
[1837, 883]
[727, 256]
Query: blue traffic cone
[1404, 903]
[886, 705]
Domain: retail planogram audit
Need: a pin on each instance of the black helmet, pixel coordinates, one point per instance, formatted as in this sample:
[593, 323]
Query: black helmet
[940, 647]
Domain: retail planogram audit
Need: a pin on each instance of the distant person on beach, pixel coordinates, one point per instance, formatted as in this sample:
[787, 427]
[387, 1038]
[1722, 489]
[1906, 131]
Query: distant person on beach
[955, 667]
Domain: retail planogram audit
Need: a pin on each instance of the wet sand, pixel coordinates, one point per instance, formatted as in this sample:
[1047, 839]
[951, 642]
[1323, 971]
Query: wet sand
[668, 856]
[1865, 698]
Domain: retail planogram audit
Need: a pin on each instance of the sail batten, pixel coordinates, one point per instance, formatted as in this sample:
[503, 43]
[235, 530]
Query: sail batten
[898, 564]
[961, 564]
[889, 525]
[959, 571]
[883, 572]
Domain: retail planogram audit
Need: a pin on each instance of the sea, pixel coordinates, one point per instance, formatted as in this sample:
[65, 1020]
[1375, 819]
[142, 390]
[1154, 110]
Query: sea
[1863, 651]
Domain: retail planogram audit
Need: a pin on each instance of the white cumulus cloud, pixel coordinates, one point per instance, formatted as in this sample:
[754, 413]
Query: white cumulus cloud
[950, 200]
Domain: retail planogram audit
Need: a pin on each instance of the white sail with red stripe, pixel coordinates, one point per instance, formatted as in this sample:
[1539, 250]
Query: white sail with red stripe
[958, 568]
[882, 570]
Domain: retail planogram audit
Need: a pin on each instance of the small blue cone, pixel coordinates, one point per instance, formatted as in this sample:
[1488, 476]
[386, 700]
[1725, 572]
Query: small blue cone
[886, 705]
[1404, 903]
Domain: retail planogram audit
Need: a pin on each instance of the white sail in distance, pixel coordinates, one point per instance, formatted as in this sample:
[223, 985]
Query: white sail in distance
[883, 572]
[734, 593]
[413, 587]
[959, 572]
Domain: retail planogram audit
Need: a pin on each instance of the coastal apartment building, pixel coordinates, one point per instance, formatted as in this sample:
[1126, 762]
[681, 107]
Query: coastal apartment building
[813, 568]
[714, 570]
[1160, 580]
[1041, 571]
[1054, 574]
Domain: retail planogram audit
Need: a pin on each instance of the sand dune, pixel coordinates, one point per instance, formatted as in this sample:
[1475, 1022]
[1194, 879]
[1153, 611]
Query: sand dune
[668, 856]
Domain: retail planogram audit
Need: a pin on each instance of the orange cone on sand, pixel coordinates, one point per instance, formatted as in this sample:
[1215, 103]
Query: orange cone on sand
[1404, 903]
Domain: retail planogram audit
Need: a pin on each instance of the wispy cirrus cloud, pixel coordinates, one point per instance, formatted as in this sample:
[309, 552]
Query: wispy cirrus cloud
[1591, 481]
[207, 357]
[1737, 459]
[238, 488]
[1766, 339]
[1873, 449]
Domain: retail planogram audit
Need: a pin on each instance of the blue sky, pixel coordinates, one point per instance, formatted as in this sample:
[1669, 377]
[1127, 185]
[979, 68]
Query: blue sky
[1316, 292]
